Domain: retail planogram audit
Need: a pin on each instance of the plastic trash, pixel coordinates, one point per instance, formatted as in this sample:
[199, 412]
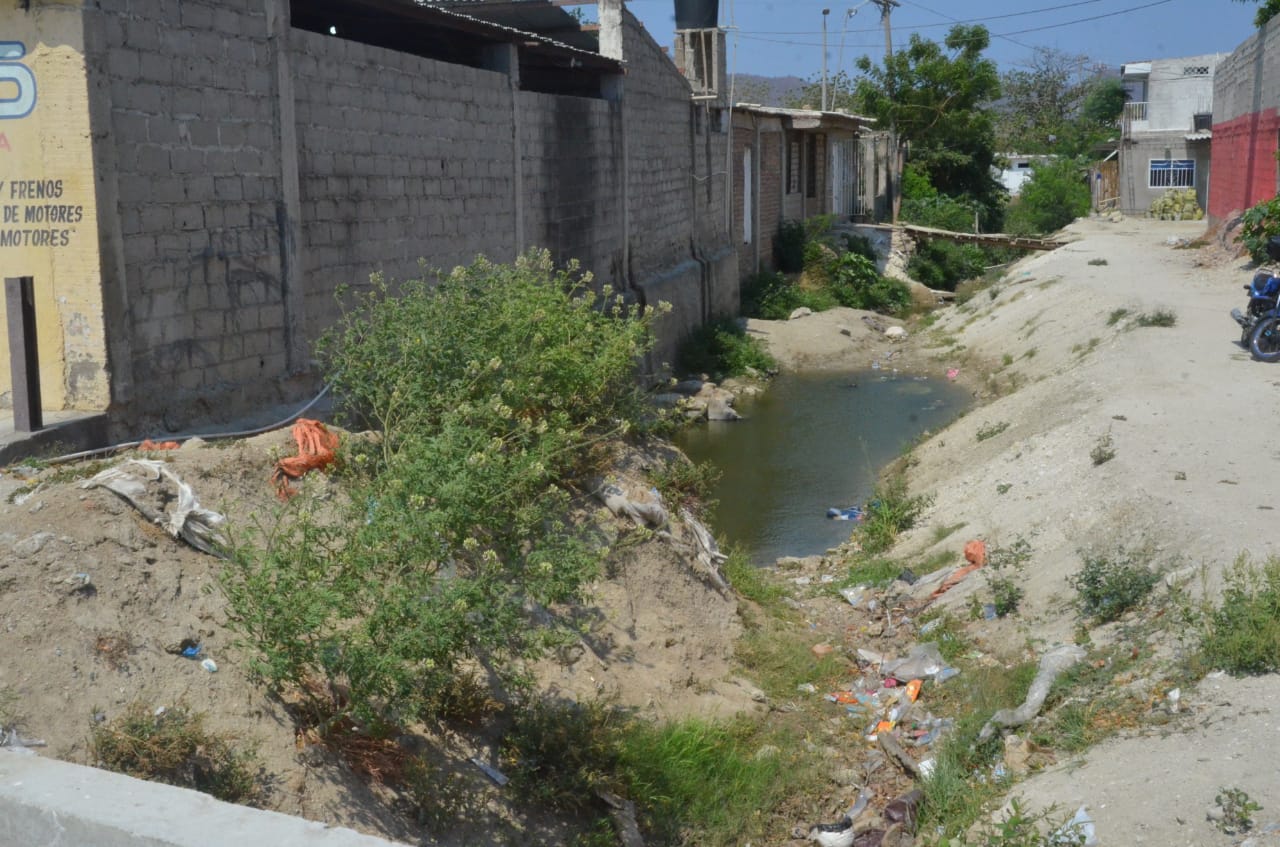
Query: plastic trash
[946, 674]
[952, 373]
[191, 651]
[853, 595]
[989, 611]
[926, 767]
[904, 809]
[1052, 664]
[908, 576]
[859, 805]
[493, 773]
[199, 527]
[923, 662]
[644, 514]
[849, 513]
[929, 627]
[210, 665]
[975, 552]
[1080, 826]
[913, 689]
[807, 688]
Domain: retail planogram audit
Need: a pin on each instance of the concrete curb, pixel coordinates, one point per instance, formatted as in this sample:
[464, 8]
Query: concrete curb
[48, 802]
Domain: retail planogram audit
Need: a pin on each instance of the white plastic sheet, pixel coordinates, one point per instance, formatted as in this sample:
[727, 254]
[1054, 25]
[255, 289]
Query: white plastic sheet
[188, 520]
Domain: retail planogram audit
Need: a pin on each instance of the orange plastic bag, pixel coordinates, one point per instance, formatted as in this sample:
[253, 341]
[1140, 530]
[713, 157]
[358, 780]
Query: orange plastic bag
[975, 552]
[913, 689]
[148, 444]
[316, 446]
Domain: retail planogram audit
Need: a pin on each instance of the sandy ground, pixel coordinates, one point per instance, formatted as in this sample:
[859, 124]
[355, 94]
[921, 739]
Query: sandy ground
[93, 595]
[1186, 411]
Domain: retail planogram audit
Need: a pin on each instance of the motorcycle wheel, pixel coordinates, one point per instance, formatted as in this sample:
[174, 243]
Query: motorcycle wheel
[1264, 344]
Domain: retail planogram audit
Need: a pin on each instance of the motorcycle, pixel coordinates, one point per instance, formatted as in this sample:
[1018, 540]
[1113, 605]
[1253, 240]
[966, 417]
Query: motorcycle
[1264, 298]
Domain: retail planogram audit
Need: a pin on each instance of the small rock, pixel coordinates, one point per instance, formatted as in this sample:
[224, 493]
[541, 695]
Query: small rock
[1215, 813]
[846, 776]
[1017, 754]
[720, 410]
[29, 547]
[895, 333]
[667, 401]
[821, 650]
[688, 387]
[193, 444]
[844, 330]
[802, 312]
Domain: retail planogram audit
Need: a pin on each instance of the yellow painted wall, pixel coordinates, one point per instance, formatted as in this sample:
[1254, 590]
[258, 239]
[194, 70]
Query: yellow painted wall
[48, 225]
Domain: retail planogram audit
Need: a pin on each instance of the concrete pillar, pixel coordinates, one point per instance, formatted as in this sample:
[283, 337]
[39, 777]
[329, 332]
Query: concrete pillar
[610, 15]
[289, 204]
[505, 59]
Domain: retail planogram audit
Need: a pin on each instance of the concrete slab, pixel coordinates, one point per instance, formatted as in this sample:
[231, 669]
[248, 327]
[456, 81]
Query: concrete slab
[48, 802]
[64, 432]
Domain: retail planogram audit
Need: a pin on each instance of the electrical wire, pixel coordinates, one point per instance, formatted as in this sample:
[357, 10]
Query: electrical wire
[991, 35]
[939, 14]
[215, 436]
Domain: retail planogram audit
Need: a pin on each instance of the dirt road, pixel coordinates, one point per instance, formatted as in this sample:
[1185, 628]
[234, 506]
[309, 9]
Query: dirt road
[1187, 414]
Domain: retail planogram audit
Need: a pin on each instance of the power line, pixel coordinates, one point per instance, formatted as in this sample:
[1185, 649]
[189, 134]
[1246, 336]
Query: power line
[992, 35]
[939, 14]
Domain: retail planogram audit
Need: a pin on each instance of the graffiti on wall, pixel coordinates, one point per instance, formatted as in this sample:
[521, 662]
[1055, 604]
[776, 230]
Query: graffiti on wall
[17, 81]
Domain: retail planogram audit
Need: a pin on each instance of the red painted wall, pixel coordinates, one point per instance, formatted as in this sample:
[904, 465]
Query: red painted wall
[1243, 162]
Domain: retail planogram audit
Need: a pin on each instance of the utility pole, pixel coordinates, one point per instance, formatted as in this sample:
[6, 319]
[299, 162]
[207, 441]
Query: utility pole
[825, 12]
[886, 6]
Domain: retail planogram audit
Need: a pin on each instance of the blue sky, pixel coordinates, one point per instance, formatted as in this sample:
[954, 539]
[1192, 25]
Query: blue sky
[784, 37]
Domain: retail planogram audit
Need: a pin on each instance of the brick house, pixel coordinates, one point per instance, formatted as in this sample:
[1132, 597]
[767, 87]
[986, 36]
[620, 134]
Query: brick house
[792, 164]
[1246, 125]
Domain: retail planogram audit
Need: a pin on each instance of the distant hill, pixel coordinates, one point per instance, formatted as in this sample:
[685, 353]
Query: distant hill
[766, 90]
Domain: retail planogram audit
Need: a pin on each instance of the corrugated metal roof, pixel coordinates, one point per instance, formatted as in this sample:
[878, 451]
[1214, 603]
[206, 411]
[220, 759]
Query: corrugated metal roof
[532, 16]
[808, 118]
[1202, 135]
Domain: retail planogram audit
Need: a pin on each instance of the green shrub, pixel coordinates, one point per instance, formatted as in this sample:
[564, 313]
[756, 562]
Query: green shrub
[856, 283]
[890, 512]
[687, 484]
[175, 748]
[773, 297]
[492, 388]
[788, 246]
[861, 245]
[943, 265]
[1110, 586]
[1260, 222]
[1003, 573]
[724, 349]
[1164, 318]
[1056, 194]
[1242, 635]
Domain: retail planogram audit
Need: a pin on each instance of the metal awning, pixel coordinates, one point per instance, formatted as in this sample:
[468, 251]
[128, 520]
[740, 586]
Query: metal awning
[808, 118]
[536, 16]
[1202, 135]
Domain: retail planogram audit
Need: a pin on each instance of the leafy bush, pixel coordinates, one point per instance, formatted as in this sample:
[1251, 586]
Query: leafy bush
[175, 748]
[1259, 224]
[1110, 586]
[1242, 636]
[788, 246]
[773, 297]
[723, 349]
[856, 283]
[1056, 194]
[687, 484]
[491, 388]
[861, 245]
[1003, 573]
[938, 211]
[890, 512]
[942, 264]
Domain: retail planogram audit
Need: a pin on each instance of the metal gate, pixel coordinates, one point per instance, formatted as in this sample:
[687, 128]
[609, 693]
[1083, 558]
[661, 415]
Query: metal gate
[843, 175]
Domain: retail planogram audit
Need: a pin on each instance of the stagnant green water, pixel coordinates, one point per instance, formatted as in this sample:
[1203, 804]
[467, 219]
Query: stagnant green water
[810, 442]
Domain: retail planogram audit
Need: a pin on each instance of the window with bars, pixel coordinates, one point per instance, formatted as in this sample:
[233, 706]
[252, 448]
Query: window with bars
[793, 166]
[1172, 173]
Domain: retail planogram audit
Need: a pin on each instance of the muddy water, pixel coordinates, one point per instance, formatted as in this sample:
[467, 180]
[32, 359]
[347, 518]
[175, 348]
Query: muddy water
[811, 442]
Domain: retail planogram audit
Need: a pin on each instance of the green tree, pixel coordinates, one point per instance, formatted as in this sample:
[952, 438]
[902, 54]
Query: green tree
[1056, 194]
[938, 97]
[1057, 103]
[1267, 9]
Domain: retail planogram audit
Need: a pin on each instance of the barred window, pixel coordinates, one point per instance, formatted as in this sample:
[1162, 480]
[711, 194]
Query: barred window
[1172, 173]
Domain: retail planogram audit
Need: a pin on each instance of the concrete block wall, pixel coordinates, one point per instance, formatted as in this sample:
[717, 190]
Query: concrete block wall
[194, 166]
[772, 174]
[400, 158]
[571, 155]
[1136, 160]
[1246, 126]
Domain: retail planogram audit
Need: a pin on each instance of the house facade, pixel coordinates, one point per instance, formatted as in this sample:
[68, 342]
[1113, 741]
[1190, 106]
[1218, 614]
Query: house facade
[792, 164]
[1166, 129]
[190, 182]
[1246, 125]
